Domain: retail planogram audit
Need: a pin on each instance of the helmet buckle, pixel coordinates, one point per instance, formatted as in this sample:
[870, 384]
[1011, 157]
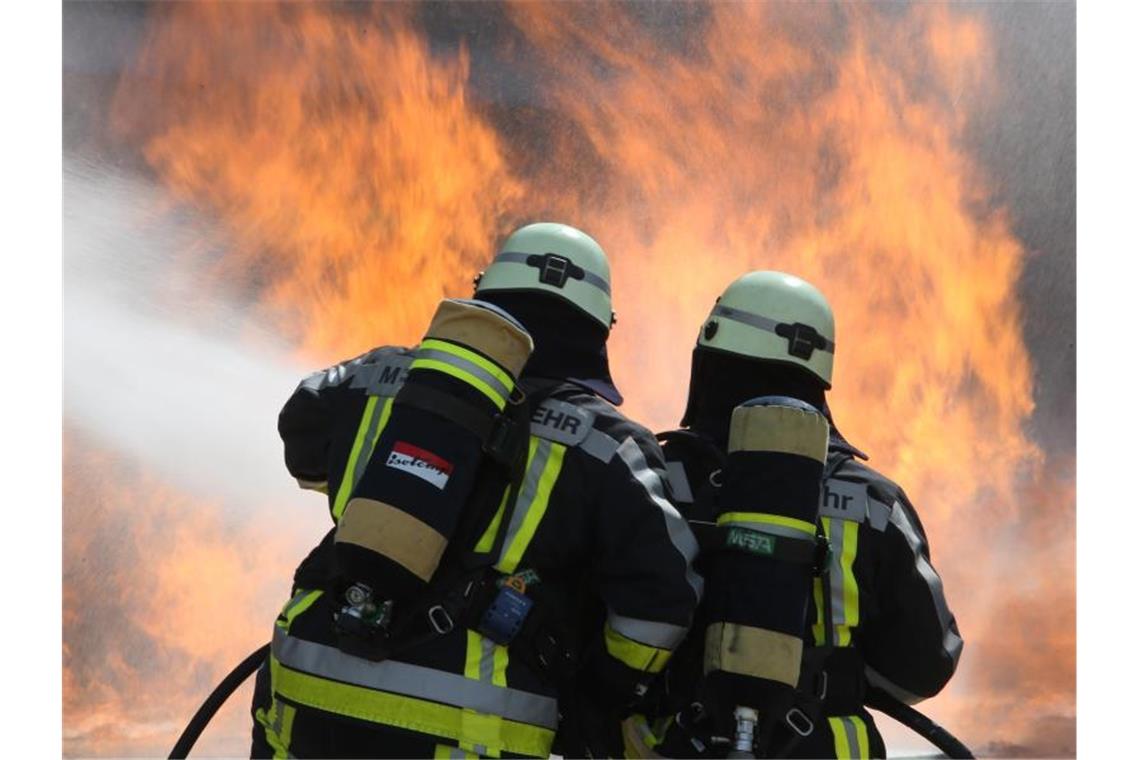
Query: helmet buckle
[803, 339]
[555, 270]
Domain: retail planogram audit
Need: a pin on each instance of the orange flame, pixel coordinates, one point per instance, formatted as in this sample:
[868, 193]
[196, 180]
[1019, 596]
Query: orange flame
[361, 181]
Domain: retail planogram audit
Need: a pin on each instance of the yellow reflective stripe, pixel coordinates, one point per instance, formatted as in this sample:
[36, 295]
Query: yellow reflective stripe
[640, 657]
[512, 554]
[483, 363]
[847, 563]
[361, 446]
[278, 725]
[447, 752]
[483, 731]
[300, 602]
[346, 484]
[487, 541]
[288, 713]
[499, 666]
[475, 382]
[400, 711]
[817, 626]
[767, 519]
[861, 736]
[842, 748]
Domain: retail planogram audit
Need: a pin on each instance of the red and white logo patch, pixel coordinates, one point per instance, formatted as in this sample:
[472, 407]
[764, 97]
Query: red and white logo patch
[423, 464]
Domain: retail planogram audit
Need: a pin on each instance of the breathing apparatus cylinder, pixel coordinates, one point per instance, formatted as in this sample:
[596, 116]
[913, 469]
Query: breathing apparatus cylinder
[760, 572]
[449, 421]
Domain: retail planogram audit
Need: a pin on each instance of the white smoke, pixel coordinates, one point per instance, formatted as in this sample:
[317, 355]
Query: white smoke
[183, 383]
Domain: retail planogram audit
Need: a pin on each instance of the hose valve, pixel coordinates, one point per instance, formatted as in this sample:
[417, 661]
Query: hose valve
[746, 718]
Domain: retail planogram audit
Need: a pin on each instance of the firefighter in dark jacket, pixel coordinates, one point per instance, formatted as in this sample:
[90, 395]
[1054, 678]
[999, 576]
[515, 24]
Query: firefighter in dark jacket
[878, 615]
[575, 580]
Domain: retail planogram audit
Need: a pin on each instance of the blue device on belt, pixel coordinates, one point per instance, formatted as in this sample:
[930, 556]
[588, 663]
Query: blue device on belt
[505, 616]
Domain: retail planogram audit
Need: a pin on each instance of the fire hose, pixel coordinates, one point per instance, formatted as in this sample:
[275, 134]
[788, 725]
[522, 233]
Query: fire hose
[950, 746]
[876, 699]
[217, 698]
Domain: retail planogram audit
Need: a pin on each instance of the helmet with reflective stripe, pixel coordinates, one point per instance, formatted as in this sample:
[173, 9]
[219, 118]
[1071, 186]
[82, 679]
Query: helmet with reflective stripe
[776, 317]
[553, 258]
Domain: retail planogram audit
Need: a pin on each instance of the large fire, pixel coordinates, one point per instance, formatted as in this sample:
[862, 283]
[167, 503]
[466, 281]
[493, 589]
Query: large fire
[361, 178]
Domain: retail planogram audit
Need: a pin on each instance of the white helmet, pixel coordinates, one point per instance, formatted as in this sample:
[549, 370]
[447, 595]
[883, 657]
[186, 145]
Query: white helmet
[775, 317]
[553, 258]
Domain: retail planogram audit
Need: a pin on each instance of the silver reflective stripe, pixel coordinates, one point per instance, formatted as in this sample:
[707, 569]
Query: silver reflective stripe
[759, 322]
[950, 640]
[599, 446]
[414, 681]
[838, 608]
[678, 530]
[660, 635]
[679, 482]
[512, 257]
[878, 680]
[383, 378]
[852, 736]
[527, 493]
[486, 659]
[776, 530]
[469, 367]
[878, 514]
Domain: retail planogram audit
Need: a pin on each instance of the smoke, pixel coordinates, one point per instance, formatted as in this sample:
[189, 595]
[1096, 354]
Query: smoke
[173, 380]
[174, 494]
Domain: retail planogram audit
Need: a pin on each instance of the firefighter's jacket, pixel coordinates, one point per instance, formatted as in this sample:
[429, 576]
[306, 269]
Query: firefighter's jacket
[592, 529]
[878, 616]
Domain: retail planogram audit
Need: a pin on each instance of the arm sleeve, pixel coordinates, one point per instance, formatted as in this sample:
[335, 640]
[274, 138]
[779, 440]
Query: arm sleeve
[644, 568]
[305, 424]
[913, 650]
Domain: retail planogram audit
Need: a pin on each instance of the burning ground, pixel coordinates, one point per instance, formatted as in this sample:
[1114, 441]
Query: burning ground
[346, 166]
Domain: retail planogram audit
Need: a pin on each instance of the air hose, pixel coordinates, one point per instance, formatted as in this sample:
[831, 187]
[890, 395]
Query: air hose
[213, 703]
[919, 723]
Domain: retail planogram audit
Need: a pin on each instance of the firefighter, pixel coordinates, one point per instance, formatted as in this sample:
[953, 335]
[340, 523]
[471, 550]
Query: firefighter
[564, 594]
[878, 616]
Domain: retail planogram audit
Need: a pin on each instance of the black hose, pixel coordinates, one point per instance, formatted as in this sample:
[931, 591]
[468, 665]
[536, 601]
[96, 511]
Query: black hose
[213, 703]
[919, 723]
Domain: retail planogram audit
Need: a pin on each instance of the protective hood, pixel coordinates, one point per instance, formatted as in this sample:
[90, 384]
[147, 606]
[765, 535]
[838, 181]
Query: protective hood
[721, 381]
[567, 345]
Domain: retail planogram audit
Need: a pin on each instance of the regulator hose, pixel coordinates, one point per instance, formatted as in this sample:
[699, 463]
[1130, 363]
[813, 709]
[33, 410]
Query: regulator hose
[919, 723]
[217, 698]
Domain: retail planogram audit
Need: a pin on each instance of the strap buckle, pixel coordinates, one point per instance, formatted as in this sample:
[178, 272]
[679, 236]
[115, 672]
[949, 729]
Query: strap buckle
[798, 721]
[440, 619]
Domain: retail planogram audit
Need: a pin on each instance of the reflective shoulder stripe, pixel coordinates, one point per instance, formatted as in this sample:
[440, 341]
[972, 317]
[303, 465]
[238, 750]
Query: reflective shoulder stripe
[634, 654]
[385, 376]
[372, 423]
[307, 658]
[561, 422]
[412, 713]
[878, 514]
[660, 635]
[678, 530]
[843, 500]
[679, 482]
[950, 640]
[879, 681]
[600, 446]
